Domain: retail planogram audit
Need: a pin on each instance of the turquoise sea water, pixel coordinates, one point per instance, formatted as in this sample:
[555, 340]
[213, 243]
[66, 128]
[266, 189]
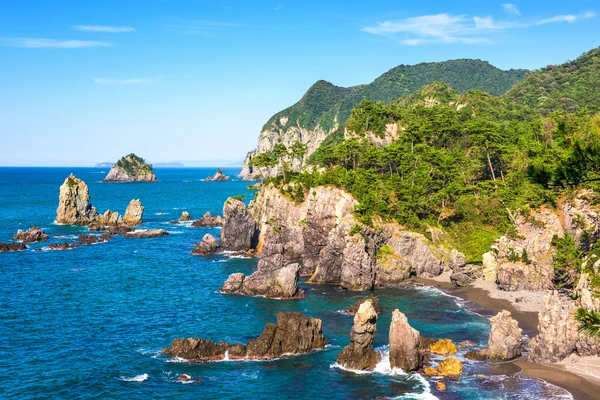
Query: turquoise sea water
[90, 322]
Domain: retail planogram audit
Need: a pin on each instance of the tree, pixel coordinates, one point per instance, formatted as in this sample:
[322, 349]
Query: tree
[264, 160]
[298, 151]
[281, 153]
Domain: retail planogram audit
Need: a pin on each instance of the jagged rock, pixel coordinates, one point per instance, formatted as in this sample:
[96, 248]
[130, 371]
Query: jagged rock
[293, 333]
[404, 344]
[105, 237]
[74, 203]
[185, 216]
[520, 276]
[581, 219]
[86, 239]
[95, 227]
[131, 168]
[357, 270]
[233, 284]
[450, 367]
[60, 246]
[208, 245]
[119, 230]
[359, 354]
[373, 299]
[150, 233]
[443, 346]
[239, 228]
[134, 213]
[208, 220]
[109, 218]
[31, 235]
[219, 176]
[6, 247]
[505, 340]
[461, 276]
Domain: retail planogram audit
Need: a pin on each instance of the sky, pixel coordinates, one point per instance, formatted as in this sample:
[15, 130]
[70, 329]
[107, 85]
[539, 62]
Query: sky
[83, 82]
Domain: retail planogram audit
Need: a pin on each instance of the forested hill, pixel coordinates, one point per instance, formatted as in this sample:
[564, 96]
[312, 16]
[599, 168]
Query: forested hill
[568, 87]
[324, 104]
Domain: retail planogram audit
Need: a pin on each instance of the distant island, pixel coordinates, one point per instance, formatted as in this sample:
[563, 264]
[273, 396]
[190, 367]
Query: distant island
[131, 168]
[104, 165]
[174, 164]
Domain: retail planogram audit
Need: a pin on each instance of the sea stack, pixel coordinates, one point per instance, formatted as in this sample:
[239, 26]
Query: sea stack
[505, 340]
[74, 203]
[133, 213]
[131, 168]
[404, 344]
[219, 176]
[359, 354]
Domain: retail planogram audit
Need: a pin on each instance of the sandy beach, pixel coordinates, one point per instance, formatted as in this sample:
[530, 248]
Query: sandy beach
[579, 375]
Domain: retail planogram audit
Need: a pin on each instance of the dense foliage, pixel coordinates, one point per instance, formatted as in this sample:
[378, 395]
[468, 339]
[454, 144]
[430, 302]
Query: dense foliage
[134, 165]
[568, 87]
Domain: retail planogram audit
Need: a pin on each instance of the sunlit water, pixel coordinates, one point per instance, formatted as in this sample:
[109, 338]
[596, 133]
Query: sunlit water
[90, 322]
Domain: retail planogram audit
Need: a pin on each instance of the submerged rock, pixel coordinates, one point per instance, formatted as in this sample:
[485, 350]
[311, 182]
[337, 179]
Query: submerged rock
[293, 333]
[505, 340]
[374, 300]
[208, 220]
[185, 216]
[150, 233]
[219, 176]
[131, 168]
[31, 235]
[208, 245]
[6, 247]
[133, 213]
[404, 344]
[359, 354]
[239, 228]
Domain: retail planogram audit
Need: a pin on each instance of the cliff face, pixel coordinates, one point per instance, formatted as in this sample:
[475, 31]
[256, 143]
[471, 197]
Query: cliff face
[131, 168]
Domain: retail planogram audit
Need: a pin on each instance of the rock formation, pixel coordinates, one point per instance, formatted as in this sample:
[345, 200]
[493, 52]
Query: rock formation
[293, 333]
[61, 246]
[208, 245]
[74, 203]
[131, 168]
[185, 216]
[6, 247]
[208, 220]
[134, 213]
[219, 176]
[274, 277]
[359, 354]
[239, 227]
[505, 340]
[233, 284]
[450, 367]
[404, 344]
[374, 300]
[150, 233]
[31, 235]
[119, 230]
[443, 347]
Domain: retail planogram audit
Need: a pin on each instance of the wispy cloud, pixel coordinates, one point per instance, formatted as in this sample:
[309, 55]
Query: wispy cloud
[511, 9]
[448, 28]
[37, 43]
[202, 28]
[103, 28]
[128, 81]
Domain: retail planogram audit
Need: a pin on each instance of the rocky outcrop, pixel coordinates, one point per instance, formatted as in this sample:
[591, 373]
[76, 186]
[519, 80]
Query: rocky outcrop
[443, 347]
[133, 213]
[131, 168]
[119, 230]
[219, 176]
[462, 276]
[150, 233]
[505, 340]
[31, 235]
[74, 206]
[354, 307]
[525, 262]
[293, 333]
[6, 247]
[581, 220]
[60, 246]
[185, 216]
[208, 245]
[208, 220]
[239, 227]
[274, 277]
[359, 354]
[404, 344]
[450, 367]
[233, 284]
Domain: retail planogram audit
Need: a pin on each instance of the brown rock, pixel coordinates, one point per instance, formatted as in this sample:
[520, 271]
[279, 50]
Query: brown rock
[31, 235]
[150, 233]
[404, 344]
[233, 284]
[60, 246]
[450, 367]
[185, 216]
[119, 230]
[218, 177]
[133, 213]
[208, 220]
[354, 307]
[74, 203]
[359, 354]
[208, 245]
[6, 247]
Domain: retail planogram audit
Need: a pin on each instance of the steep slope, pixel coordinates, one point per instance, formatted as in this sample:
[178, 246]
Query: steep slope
[325, 107]
[568, 87]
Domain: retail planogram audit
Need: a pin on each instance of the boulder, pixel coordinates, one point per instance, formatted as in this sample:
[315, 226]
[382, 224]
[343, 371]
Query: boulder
[233, 284]
[150, 233]
[239, 228]
[465, 274]
[359, 354]
[6, 247]
[208, 245]
[450, 367]
[185, 216]
[74, 203]
[440, 386]
[208, 220]
[133, 213]
[31, 235]
[443, 347]
[61, 246]
[373, 299]
[119, 230]
[195, 350]
[404, 344]
[87, 239]
[219, 176]
[505, 340]
[131, 168]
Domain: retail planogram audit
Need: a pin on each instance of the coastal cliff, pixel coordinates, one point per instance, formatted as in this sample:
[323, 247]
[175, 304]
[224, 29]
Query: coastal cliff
[131, 168]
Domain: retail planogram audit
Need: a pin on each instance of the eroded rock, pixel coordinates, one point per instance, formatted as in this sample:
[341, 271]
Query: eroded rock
[359, 354]
[373, 299]
[133, 213]
[208, 245]
[150, 233]
[505, 340]
[208, 220]
[239, 227]
[6, 247]
[404, 344]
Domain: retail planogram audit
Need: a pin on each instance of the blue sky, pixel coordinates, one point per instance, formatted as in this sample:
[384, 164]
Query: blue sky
[89, 81]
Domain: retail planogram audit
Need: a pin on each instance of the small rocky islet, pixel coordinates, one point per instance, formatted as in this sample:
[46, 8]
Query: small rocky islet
[131, 168]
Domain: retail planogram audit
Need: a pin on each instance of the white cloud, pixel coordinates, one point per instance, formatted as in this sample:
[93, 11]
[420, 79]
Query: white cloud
[103, 28]
[129, 81]
[36, 43]
[201, 28]
[448, 28]
[511, 9]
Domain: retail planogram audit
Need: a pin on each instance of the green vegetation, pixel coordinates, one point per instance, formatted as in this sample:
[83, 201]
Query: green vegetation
[134, 165]
[589, 322]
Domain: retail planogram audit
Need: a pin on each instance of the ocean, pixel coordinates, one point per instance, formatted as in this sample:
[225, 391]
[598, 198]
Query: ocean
[90, 322]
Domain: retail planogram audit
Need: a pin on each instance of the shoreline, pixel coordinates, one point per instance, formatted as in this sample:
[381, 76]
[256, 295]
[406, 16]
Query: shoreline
[484, 301]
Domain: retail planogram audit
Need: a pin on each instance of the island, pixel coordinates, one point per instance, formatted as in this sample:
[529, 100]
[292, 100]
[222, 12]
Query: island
[131, 168]
[219, 176]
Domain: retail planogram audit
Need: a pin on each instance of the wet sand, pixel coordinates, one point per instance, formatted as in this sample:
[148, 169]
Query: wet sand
[580, 385]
